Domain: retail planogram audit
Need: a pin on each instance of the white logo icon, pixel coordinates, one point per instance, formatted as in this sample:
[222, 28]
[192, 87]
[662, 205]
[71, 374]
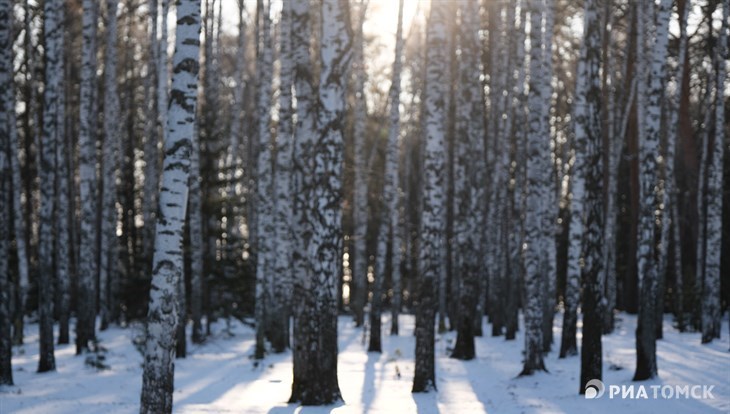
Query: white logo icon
[594, 389]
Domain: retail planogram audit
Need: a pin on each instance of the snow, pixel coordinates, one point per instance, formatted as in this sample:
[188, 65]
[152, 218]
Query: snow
[220, 376]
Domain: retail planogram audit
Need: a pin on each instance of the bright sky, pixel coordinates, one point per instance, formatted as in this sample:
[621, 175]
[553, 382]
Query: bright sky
[380, 25]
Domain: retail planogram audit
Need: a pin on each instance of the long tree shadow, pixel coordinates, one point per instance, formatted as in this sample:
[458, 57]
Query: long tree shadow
[426, 403]
[369, 381]
[212, 375]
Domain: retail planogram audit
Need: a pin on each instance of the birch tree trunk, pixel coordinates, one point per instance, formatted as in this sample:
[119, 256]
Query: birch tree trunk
[108, 245]
[154, 128]
[53, 116]
[63, 240]
[315, 381]
[468, 151]
[615, 134]
[388, 223]
[499, 159]
[7, 111]
[538, 167]
[360, 202]
[711, 292]
[588, 119]
[19, 222]
[283, 191]
[550, 211]
[516, 237]
[195, 231]
[568, 344]
[264, 188]
[167, 269]
[304, 364]
[433, 214]
[394, 154]
[701, 247]
[163, 80]
[649, 135]
[88, 252]
[671, 184]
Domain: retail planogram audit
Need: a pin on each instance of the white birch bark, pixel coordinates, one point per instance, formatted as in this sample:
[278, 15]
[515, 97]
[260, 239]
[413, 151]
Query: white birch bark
[538, 166]
[550, 211]
[305, 369]
[283, 209]
[167, 269]
[264, 186]
[316, 382]
[711, 292]
[53, 116]
[88, 248]
[649, 136]
[393, 156]
[433, 198]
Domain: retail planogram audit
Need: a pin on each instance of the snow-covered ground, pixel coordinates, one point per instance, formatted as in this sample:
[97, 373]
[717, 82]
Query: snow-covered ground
[221, 377]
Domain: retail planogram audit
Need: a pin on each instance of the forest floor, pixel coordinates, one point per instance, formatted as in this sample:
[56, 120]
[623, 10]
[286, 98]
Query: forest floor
[221, 377]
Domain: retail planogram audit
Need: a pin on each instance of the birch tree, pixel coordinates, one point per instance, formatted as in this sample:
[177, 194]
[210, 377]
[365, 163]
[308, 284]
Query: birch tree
[153, 129]
[467, 194]
[167, 268]
[53, 116]
[88, 266]
[315, 381]
[711, 292]
[110, 162]
[19, 221]
[264, 184]
[388, 223]
[671, 182]
[587, 119]
[326, 196]
[195, 232]
[516, 237]
[550, 204]
[649, 135]
[360, 202]
[393, 173]
[538, 167]
[433, 201]
[304, 364]
[6, 109]
[63, 240]
[283, 190]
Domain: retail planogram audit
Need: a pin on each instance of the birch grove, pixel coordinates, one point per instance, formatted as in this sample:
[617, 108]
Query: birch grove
[294, 178]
